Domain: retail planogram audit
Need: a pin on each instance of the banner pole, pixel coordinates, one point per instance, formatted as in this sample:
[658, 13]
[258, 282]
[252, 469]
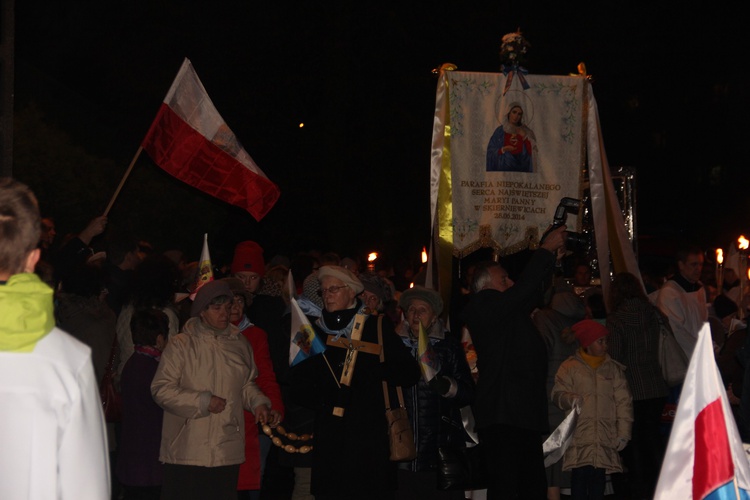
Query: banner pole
[124, 178]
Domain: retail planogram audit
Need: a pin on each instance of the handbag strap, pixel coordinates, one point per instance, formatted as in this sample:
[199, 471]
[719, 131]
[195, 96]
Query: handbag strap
[386, 396]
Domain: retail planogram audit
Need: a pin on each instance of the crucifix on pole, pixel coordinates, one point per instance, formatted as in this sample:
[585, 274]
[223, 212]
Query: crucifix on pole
[353, 346]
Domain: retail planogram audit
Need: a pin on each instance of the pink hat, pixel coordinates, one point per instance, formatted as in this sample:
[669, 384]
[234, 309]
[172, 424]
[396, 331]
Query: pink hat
[589, 331]
[248, 257]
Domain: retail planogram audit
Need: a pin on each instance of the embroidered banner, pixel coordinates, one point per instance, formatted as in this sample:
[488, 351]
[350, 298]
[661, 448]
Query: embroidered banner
[512, 157]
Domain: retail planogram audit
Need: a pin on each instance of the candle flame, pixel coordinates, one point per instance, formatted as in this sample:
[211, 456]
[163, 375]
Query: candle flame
[372, 256]
[743, 242]
[719, 256]
[424, 255]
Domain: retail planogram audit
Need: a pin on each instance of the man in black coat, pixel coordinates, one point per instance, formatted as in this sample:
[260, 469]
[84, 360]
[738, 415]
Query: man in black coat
[511, 399]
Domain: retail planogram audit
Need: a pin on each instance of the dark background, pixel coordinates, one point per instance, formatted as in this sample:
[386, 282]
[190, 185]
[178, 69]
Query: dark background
[90, 77]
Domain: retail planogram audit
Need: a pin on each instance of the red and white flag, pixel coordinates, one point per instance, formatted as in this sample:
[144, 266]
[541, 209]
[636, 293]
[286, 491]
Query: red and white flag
[205, 269]
[705, 458]
[190, 140]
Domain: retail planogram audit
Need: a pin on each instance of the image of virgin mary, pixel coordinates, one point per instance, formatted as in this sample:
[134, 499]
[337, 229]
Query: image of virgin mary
[512, 145]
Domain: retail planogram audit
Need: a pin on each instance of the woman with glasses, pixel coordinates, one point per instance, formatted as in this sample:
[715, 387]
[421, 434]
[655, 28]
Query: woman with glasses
[344, 385]
[435, 403]
[205, 379]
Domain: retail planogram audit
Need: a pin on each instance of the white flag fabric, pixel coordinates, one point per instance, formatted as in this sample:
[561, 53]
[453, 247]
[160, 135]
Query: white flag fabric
[291, 287]
[705, 458]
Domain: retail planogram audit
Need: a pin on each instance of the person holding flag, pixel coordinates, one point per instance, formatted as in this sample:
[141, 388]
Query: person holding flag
[434, 403]
[344, 385]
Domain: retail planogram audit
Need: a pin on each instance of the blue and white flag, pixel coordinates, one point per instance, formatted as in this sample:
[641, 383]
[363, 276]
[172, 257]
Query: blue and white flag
[304, 341]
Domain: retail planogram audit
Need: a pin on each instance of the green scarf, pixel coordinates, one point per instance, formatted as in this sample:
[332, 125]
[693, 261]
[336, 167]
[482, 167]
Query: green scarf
[26, 312]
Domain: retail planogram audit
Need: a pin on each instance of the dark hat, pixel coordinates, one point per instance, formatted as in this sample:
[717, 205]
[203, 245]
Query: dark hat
[589, 331]
[343, 274]
[238, 288]
[377, 285]
[207, 293]
[248, 257]
[426, 294]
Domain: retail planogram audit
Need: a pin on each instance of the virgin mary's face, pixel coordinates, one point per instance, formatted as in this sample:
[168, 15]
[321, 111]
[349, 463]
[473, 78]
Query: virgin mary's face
[515, 115]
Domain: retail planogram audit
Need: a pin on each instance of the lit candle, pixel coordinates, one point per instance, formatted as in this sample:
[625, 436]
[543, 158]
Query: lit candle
[742, 264]
[719, 269]
[424, 255]
[371, 258]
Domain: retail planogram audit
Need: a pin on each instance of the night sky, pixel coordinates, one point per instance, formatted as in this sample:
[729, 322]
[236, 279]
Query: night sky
[356, 177]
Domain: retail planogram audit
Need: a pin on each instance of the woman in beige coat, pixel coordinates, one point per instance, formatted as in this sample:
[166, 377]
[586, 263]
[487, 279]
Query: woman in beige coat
[596, 383]
[204, 382]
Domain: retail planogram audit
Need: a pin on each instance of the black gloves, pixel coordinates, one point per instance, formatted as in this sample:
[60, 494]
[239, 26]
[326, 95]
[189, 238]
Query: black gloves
[440, 385]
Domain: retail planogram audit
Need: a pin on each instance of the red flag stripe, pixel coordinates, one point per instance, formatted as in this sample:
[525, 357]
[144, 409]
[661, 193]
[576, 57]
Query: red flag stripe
[187, 155]
[713, 465]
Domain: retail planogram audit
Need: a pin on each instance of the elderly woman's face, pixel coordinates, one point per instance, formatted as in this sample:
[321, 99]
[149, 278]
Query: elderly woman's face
[336, 295]
[419, 311]
[237, 309]
[370, 300]
[217, 315]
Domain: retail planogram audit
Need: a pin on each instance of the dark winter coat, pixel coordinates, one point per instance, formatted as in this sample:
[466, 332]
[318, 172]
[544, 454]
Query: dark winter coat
[511, 355]
[351, 452]
[436, 420]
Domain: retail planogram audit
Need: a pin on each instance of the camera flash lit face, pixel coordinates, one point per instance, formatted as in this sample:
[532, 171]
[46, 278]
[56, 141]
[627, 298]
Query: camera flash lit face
[500, 280]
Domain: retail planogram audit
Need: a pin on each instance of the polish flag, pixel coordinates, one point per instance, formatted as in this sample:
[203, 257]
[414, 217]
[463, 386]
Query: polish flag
[190, 140]
[705, 458]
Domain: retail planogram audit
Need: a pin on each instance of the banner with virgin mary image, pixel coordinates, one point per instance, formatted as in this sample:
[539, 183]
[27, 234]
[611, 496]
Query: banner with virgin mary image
[503, 158]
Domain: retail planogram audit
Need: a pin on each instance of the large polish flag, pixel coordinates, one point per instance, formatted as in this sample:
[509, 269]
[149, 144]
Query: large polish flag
[190, 140]
[705, 458]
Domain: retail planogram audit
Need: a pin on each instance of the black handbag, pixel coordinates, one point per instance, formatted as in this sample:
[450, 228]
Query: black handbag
[461, 468]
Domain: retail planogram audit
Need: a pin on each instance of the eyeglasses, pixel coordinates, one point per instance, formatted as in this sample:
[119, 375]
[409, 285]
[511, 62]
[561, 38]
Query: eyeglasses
[331, 289]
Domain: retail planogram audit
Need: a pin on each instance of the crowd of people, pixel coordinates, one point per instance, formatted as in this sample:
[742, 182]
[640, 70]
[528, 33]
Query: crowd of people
[213, 408]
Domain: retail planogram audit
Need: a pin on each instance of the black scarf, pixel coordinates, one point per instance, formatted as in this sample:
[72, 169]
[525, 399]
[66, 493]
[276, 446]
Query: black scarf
[685, 284]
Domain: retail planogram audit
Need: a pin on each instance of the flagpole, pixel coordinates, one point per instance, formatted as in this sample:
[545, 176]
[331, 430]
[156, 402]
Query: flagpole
[331, 369]
[124, 178]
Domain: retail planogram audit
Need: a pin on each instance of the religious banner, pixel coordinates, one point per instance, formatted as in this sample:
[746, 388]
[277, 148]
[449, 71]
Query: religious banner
[506, 151]
[513, 156]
